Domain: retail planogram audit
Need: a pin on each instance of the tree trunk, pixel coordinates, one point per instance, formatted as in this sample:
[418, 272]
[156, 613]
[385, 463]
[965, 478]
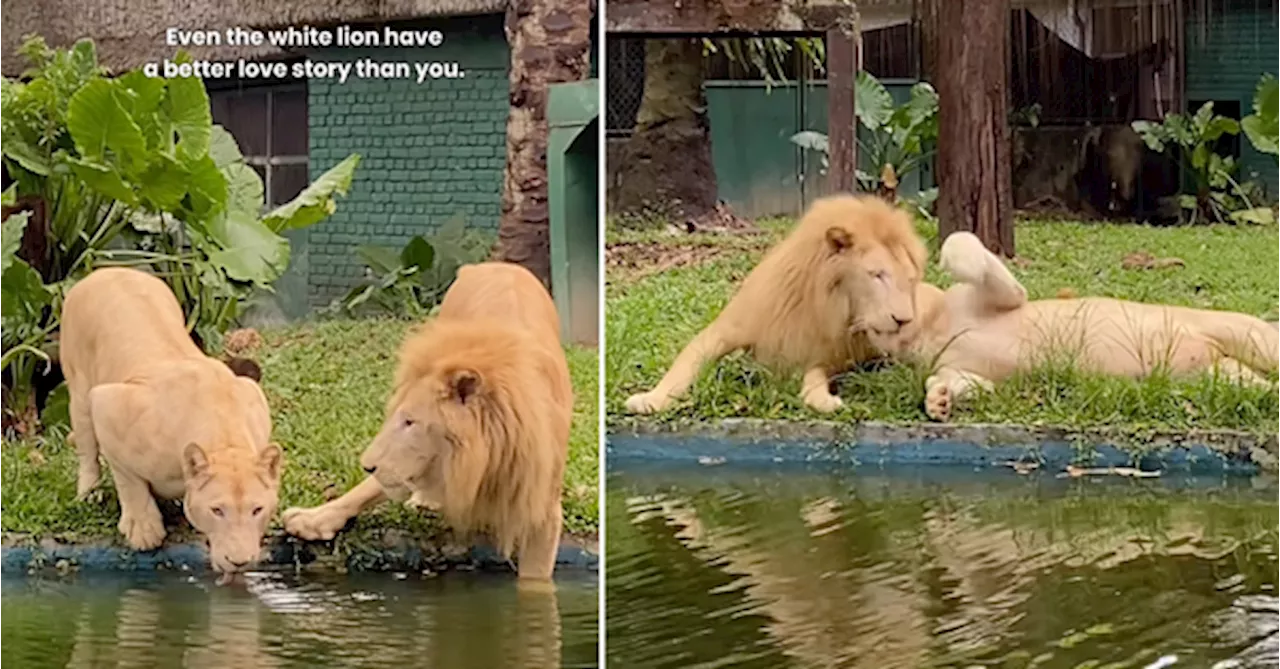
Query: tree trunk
[974, 181]
[549, 42]
[666, 164]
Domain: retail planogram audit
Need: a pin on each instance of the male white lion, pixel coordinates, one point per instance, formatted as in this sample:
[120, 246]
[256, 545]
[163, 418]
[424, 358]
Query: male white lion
[850, 260]
[478, 421]
[982, 330]
[171, 421]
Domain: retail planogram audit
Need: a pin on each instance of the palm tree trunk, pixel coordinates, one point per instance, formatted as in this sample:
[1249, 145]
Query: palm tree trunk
[549, 41]
[666, 169]
[974, 181]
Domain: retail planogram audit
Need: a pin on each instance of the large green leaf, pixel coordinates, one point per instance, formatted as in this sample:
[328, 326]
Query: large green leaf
[1263, 125]
[98, 121]
[813, 141]
[872, 103]
[249, 250]
[22, 292]
[187, 105]
[11, 238]
[380, 259]
[103, 179]
[316, 201]
[141, 95]
[418, 253]
[26, 155]
[244, 189]
[207, 186]
[163, 184]
[223, 147]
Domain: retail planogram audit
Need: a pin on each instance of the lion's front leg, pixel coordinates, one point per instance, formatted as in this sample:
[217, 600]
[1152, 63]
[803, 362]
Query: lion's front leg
[711, 344]
[947, 387]
[322, 523]
[816, 391]
[536, 553]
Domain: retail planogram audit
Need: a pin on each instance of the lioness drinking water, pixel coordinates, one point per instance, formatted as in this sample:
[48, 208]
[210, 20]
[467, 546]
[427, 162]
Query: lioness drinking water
[170, 421]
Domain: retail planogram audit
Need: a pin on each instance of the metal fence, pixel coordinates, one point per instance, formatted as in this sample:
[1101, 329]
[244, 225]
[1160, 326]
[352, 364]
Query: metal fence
[625, 84]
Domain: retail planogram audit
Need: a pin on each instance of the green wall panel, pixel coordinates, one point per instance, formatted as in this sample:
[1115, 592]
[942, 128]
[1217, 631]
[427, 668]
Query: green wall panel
[431, 151]
[1226, 56]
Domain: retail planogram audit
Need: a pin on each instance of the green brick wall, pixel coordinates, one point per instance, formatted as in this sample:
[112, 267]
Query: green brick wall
[1226, 55]
[431, 151]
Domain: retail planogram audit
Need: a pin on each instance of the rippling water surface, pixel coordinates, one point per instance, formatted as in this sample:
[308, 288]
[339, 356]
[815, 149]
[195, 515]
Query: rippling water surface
[771, 567]
[275, 621]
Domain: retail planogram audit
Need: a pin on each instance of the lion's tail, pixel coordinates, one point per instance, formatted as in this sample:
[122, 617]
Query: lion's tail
[1252, 341]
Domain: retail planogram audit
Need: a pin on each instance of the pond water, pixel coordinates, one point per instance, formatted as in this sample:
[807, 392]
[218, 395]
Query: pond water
[274, 620]
[790, 566]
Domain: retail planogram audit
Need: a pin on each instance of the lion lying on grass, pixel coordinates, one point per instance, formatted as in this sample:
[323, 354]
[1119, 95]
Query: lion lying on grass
[849, 260]
[478, 421]
[982, 330]
[169, 420]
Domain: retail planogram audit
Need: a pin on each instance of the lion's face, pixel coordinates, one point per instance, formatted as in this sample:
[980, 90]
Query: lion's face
[876, 281]
[429, 445]
[231, 501]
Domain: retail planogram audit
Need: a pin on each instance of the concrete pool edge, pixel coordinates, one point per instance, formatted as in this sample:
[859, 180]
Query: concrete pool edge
[879, 443]
[395, 551]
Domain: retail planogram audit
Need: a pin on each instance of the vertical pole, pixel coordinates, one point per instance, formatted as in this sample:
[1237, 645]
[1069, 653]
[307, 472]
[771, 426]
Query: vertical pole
[842, 66]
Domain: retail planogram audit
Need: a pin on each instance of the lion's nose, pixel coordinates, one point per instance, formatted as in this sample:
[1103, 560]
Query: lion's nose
[370, 469]
[237, 565]
[901, 321]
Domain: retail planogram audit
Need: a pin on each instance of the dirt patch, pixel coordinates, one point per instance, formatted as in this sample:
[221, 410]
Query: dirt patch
[635, 260]
[1144, 260]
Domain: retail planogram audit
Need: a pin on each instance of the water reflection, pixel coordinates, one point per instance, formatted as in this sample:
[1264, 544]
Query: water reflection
[274, 621]
[735, 567]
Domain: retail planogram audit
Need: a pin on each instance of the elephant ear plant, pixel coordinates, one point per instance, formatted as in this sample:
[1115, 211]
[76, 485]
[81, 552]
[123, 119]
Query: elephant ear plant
[1262, 127]
[130, 171]
[1215, 196]
[896, 141]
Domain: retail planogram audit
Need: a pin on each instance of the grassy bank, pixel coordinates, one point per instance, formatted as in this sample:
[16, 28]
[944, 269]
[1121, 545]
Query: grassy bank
[327, 384]
[663, 288]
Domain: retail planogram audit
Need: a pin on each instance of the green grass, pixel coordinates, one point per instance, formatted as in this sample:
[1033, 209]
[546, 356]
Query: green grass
[653, 309]
[327, 384]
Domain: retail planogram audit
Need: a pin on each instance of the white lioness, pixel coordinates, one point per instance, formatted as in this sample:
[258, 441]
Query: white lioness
[851, 259]
[478, 421]
[982, 330]
[171, 421]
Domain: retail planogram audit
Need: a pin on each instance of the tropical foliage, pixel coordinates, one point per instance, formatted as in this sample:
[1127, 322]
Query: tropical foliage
[1214, 195]
[411, 281]
[131, 171]
[1262, 127]
[897, 139]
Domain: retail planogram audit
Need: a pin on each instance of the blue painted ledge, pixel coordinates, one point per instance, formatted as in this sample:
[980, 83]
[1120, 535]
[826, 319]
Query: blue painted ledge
[745, 441]
[22, 555]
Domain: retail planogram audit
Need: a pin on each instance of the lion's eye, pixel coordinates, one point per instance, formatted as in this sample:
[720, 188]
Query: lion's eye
[408, 423]
[218, 511]
[257, 511]
[879, 275]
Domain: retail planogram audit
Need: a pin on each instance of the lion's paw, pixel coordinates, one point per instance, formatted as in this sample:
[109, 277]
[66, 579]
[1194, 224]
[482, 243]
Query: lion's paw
[937, 403]
[314, 524]
[143, 532]
[644, 403]
[824, 402]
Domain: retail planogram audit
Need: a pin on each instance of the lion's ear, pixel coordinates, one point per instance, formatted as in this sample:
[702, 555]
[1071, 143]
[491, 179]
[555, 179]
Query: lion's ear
[269, 459]
[194, 461]
[463, 385]
[838, 239]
